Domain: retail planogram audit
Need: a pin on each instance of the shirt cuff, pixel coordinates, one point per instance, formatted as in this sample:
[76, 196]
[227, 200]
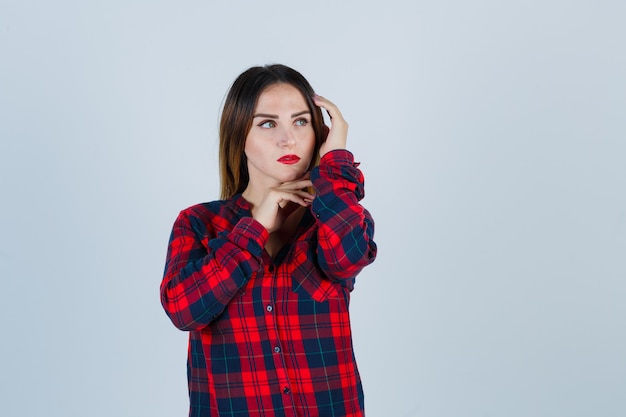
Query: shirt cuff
[251, 235]
[338, 157]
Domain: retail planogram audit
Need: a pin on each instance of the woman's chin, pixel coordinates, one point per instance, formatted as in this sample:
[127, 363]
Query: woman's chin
[292, 176]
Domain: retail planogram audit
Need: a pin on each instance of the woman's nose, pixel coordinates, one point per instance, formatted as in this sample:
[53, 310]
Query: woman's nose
[287, 139]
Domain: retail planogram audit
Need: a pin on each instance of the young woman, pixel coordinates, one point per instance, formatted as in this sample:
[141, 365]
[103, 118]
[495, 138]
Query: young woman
[261, 279]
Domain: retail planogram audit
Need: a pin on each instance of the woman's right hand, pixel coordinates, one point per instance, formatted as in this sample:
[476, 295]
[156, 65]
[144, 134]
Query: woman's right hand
[279, 202]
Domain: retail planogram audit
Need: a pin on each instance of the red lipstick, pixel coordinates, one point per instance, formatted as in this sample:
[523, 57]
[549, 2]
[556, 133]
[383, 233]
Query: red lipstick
[289, 159]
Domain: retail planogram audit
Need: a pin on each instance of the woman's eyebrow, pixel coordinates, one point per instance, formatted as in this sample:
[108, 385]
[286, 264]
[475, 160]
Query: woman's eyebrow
[268, 116]
[300, 113]
[274, 116]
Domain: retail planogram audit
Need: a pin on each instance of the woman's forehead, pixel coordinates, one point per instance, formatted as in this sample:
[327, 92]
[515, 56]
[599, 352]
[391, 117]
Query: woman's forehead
[281, 96]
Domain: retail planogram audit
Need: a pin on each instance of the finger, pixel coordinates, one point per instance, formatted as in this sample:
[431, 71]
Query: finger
[305, 195]
[302, 198]
[330, 107]
[297, 196]
[295, 185]
[282, 202]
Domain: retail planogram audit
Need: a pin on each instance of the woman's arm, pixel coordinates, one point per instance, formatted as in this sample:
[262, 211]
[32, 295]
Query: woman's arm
[346, 229]
[200, 281]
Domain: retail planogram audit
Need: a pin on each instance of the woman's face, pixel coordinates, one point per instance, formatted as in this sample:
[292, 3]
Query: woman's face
[280, 144]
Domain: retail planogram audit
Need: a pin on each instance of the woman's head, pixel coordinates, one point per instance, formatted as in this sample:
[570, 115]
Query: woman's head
[237, 117]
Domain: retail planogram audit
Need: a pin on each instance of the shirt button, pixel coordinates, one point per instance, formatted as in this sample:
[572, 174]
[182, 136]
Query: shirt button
[270, 308]
[271, 268]
[286, 390]
[277, 349]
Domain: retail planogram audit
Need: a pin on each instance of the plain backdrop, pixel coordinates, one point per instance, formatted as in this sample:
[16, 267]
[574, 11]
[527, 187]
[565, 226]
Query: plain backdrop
[492, 136]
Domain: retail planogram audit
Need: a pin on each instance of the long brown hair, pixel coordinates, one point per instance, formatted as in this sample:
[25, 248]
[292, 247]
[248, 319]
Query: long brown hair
[237, 118]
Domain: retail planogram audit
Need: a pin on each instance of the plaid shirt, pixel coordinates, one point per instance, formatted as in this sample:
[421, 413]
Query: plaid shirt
[271, 337]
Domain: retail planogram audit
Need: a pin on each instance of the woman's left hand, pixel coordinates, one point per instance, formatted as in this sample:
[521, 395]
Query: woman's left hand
[338, 133]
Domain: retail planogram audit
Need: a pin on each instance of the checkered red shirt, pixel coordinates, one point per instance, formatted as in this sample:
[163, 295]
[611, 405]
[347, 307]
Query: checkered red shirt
[271, 337]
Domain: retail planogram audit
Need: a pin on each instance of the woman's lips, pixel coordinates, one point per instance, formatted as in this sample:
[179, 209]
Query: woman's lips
[289, 159]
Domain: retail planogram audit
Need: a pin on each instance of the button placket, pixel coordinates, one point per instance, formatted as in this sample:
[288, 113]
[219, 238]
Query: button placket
[272, 310]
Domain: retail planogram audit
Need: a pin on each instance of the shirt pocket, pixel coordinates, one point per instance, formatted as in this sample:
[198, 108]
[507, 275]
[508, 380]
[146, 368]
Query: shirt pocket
[307, 279]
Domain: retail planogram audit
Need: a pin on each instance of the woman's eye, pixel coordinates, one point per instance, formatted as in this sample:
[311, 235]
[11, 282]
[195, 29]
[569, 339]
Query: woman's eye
[301, 122]
[268, 124]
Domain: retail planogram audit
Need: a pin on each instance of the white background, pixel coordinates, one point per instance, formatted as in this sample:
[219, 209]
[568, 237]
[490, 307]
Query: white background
[493, 139]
